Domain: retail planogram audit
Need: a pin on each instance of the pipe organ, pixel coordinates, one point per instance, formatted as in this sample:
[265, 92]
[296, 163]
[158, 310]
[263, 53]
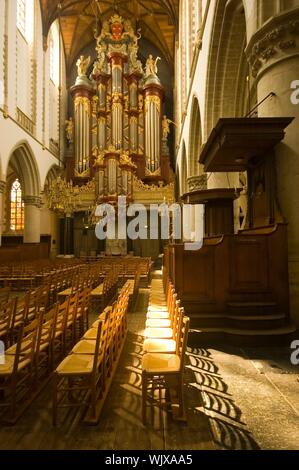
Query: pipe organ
[118, 122]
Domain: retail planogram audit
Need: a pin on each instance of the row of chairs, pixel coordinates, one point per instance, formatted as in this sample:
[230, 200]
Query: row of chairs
[27, 275]
[18, 311]
[133, 288]
[106, 290]
[5, 294]
[84, 377]
[39, 346]
[87, 276]
[164, 347]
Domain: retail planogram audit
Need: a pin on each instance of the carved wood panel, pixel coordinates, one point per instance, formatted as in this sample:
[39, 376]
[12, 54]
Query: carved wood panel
[249, 265]
[198, 280]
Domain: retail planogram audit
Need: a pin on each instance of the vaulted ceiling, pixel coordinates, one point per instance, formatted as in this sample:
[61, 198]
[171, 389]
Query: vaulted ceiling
[158, 20]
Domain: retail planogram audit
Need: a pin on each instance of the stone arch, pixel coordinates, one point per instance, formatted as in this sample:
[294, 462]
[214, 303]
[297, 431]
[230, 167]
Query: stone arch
[227, 67]
[184, 170]
[177, 183]
[52, 174]
[1, 173]
[23, 164]
[195, 140]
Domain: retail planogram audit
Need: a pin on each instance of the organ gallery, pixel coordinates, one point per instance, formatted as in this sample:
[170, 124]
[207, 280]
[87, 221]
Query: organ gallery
[118, 135]
[149, 227]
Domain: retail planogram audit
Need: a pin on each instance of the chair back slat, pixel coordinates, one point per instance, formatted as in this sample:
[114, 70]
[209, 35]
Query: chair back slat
[25, 347]
[183, 341]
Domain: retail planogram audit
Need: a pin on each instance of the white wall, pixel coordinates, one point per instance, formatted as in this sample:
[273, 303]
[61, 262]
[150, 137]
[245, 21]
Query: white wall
[28, 87]
[198, 85]
[25, 84]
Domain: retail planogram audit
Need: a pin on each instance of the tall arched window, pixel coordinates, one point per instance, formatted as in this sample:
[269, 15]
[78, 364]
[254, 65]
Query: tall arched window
[25, 18]
[16, 207]
[21, 16]
[54, 53]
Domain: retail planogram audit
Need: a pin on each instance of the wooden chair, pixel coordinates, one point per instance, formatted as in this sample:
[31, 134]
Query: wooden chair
[87, 344]
[70, 322]
[32, 305]
[17, 374]
[161, 319]
[58, 342]
[45, 338]
[162, 345]
[20, 315]
[167, 369]
[5, 293]
[164, 332]
[6, 318]
[82, 318]
[43, 298]
[78, 379]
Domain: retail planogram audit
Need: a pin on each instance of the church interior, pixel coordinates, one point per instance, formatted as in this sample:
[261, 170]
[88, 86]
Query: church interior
[118, 331]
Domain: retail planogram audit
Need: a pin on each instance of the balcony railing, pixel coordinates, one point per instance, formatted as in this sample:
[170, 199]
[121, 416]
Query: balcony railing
[197, 183]
[25, 122]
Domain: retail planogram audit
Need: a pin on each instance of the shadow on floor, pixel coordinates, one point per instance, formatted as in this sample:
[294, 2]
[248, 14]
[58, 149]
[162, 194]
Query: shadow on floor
[225, 417]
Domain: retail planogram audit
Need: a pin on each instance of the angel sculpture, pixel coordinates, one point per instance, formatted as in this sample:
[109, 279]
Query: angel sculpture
[135, 64]
[165, 127]
[129, 31]
[151, 66]
[69, 129]
[100, 64]
[82, 65]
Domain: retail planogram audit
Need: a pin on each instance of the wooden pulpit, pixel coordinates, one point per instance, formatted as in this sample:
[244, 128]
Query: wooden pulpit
[235, 288]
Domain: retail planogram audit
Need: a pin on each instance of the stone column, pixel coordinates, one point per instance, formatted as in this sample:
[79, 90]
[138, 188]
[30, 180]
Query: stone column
[273, 54]
[32, 206]
[2, 189]
[67, 235]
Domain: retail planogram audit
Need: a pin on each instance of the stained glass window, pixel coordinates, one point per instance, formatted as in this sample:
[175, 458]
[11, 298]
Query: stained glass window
[21, 16]
[16, 207]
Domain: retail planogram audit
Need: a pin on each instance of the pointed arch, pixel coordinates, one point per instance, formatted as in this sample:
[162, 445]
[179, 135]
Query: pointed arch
[1, 173]
[227, 69]
[24, 165]
[195, 139]
[184, 171]
[52, 174]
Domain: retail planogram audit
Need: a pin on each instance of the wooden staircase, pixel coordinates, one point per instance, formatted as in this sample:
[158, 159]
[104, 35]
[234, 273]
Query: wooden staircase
[245, 324]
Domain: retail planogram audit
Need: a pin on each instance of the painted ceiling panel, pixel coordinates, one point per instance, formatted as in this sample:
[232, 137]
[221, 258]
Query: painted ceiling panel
[158, 20]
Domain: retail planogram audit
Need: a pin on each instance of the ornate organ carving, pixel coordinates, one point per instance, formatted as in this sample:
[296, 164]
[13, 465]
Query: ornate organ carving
[118, 116]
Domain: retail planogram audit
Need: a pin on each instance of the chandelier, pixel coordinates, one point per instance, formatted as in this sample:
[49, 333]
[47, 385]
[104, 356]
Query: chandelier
[62, 196]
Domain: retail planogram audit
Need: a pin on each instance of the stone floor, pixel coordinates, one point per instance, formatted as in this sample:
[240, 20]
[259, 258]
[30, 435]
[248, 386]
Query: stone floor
[120, 426]
[254, 386]
[236, 399]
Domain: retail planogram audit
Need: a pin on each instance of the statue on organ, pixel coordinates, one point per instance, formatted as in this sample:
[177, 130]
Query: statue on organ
[82, 65]
[118, 112]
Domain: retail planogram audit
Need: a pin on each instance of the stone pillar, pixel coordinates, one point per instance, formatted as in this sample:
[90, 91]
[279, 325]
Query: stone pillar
[32, 206]
[2, 189]
[67, 235]
[273, 54]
